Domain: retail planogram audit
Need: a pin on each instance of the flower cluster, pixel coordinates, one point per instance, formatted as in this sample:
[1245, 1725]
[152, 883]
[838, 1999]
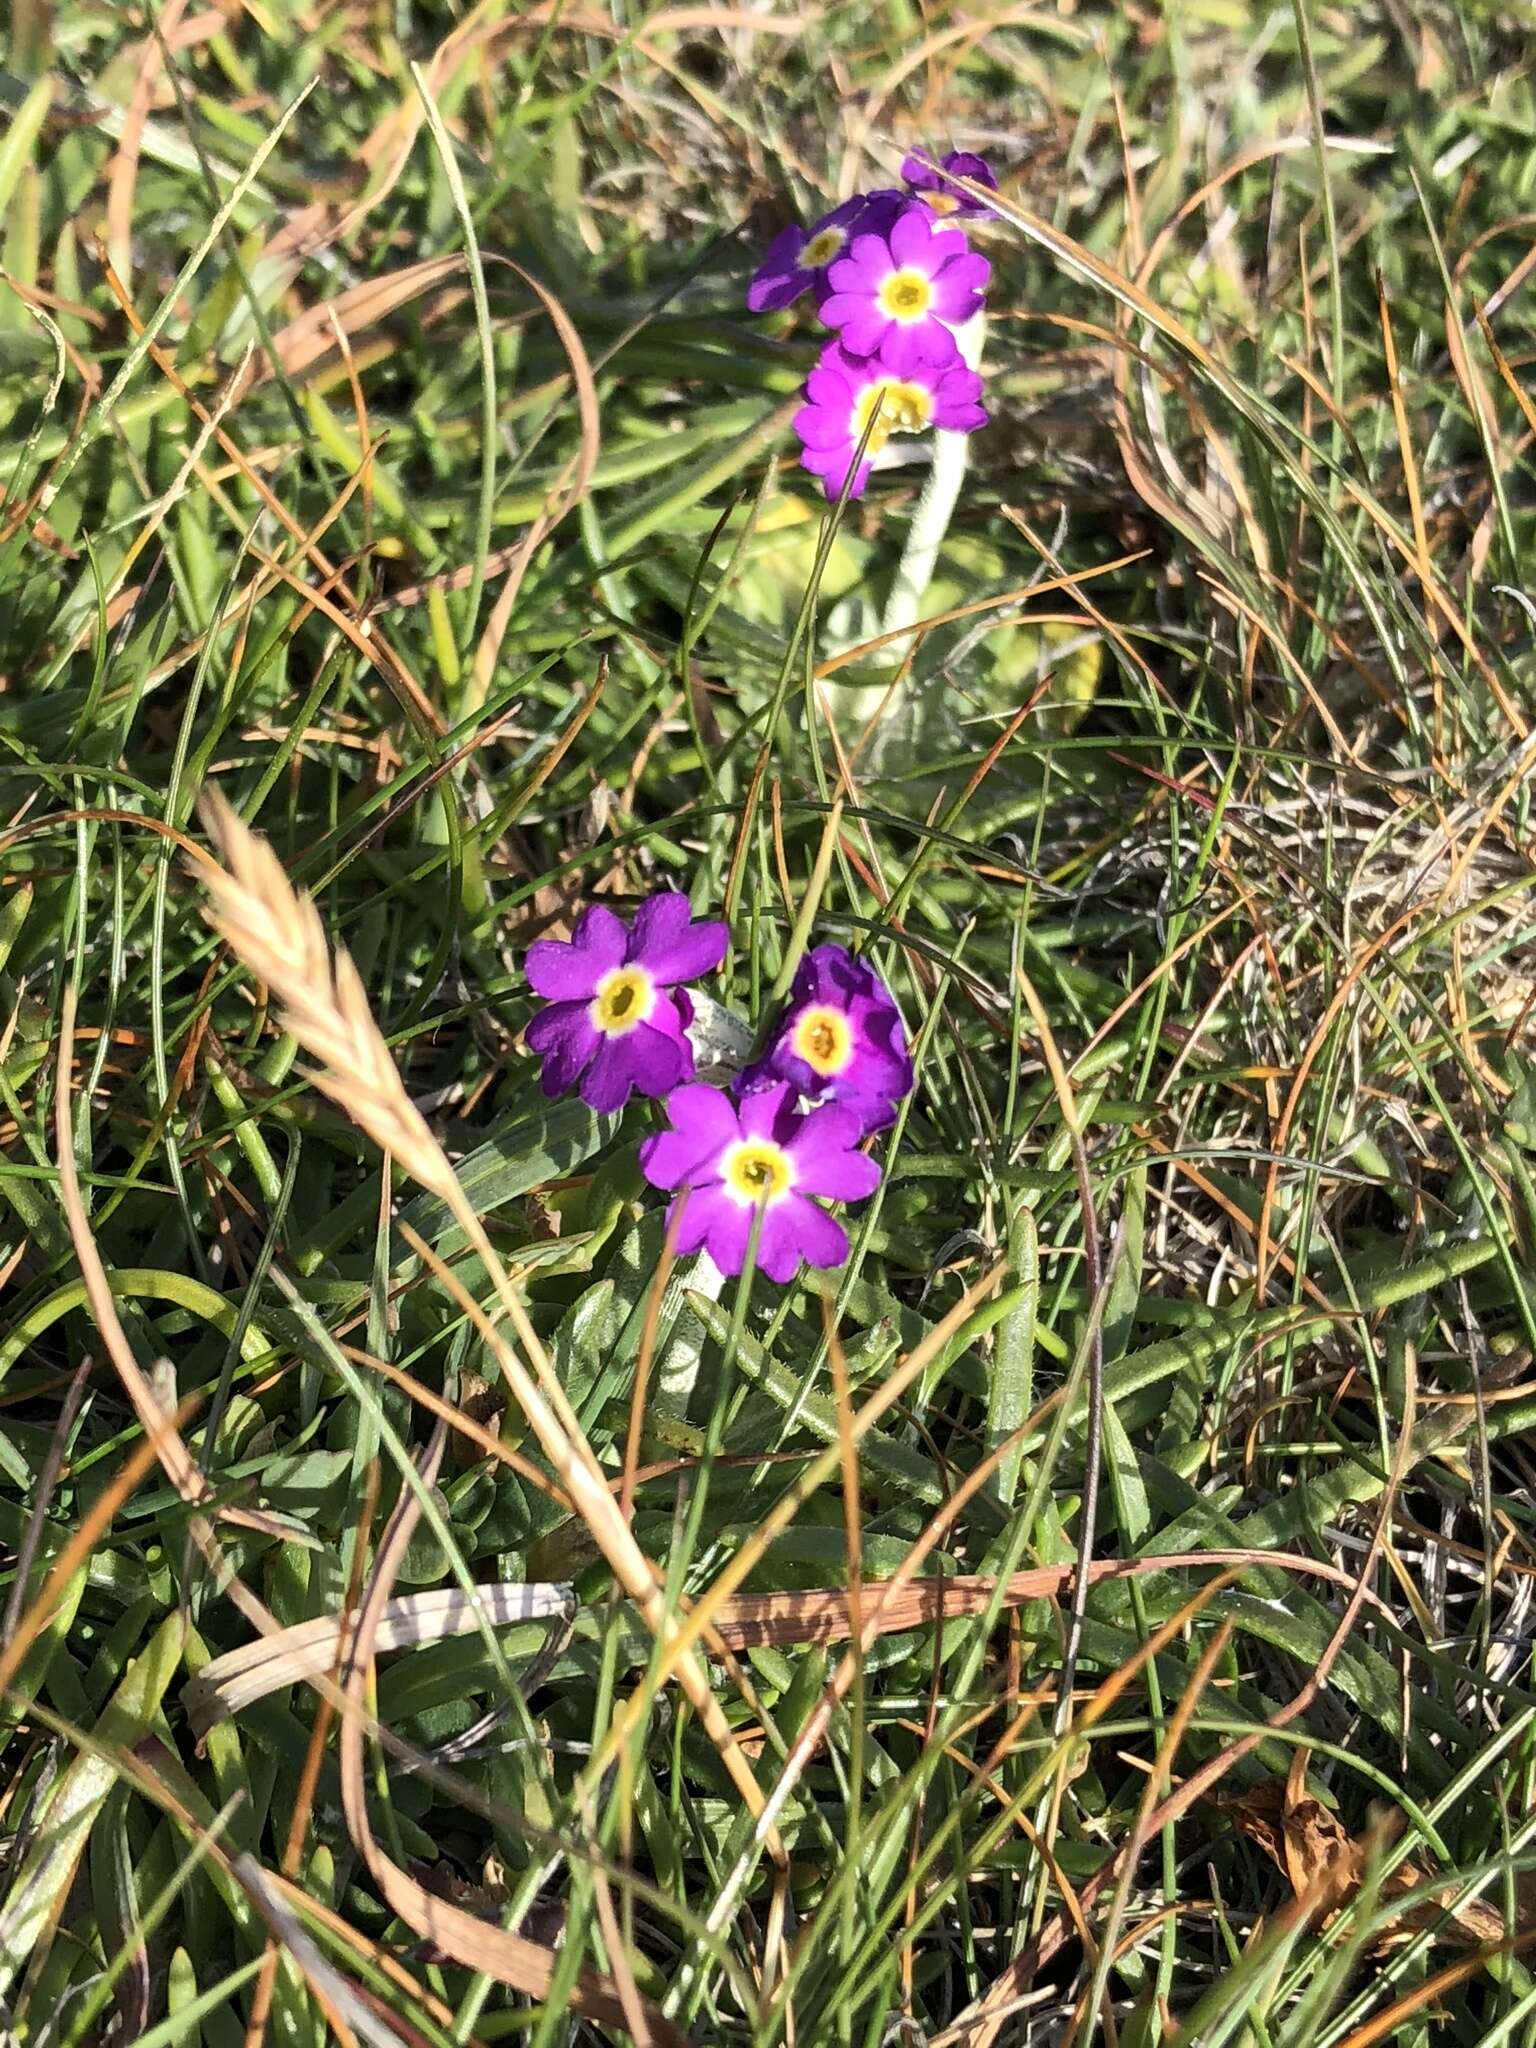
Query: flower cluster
[618, 1021]
[894, 280]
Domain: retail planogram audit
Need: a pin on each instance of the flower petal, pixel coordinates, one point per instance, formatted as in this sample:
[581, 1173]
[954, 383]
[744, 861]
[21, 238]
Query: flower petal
[829, 384]
[795, 1230]
[669, 1160]
[845, 213]
[921, 353]
[703, 1123]
[864, 264]
[705, 1112]
[823, 1133]
[948, 246]
[875, 1109]
[712, 1220]
[779, 280]
[971, 271]
[767, 1111]
[821, 427]
[954, 299]
[669, 945]
[963, 163]
[938, 188]
[834, 1171]
[957, 401]
[827, 971]
[773, 294]
[840, 305]
[565, 1036]
[880, 212]
[863, 325]
[960, 419]
[564, 971]
[832, 468]
[913, 240]
[645, 1059]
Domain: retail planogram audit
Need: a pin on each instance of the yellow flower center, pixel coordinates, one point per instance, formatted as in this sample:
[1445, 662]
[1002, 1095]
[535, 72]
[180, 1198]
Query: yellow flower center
[906, 296]
[822, 1039]
[821, 249]
[903, 406]
[942, 202]
[757, 1170]
[622, 1000]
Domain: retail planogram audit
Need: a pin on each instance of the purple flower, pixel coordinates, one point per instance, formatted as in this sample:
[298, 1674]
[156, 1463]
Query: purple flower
[844, 391]
[939, 194]
[906, 288]
[841, 1039]
[611, 1023]
[727, 1159]
[796, 261]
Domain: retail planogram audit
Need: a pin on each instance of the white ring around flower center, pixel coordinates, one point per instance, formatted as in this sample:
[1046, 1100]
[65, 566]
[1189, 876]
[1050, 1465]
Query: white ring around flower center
[906, 296]
[756, 1170]
[823, 1038]
[905, 407]
[822, 248]
[623, 999]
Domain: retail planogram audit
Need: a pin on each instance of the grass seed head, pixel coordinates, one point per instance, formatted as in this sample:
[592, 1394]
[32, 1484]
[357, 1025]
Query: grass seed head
[277, 933]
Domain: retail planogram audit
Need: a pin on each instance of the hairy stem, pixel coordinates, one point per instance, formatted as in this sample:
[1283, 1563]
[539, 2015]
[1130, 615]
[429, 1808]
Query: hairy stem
[914, 573]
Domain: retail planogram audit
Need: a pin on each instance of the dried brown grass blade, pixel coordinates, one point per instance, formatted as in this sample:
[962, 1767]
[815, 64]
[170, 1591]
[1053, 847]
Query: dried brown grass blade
[279, 936]
[37, 1613]
[294, 1655]
[1388, 2024]
[1091, 2006]
[123, 171]
[569, 487]
[749, 1621]
[1325, 1865]
[176, 1461]
[981, 2023]
[311, 336]
[525, 1965]
[572, 485]
[593, 1499]
[820, 1615]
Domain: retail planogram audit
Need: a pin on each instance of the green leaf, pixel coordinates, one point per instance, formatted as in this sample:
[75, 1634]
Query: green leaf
[72, 1808]
[21, 137]
[1011, 1392]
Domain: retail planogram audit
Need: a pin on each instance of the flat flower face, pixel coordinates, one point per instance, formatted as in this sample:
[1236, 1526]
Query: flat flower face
[905, 290]
[939, 194]
[841, 1040]
[845, 393]
[727, 1162]
[612, 1024]
[796, 260]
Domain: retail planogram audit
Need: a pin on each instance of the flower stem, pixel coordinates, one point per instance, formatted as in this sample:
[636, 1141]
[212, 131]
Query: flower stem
[930, 523]
[925, 537]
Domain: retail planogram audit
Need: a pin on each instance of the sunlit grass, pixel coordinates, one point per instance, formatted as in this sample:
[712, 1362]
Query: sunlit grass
[388, 450]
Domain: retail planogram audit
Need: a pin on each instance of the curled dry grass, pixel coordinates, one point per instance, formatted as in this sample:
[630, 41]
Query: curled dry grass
[1269, 895]
[278, 935]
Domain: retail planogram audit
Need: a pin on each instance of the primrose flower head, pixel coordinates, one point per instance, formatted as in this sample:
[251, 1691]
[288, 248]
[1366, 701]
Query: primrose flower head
[845, 392]
[937, 188]
[796, 260]
[728, 1160]
[841, 1039]
[612, 1022]
[905, 288]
